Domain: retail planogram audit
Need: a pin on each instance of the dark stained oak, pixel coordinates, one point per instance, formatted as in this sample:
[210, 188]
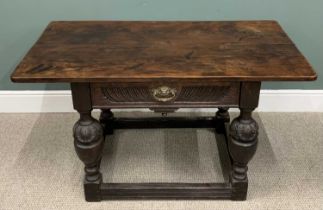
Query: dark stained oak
[164, 66]
[88, 140]
[155, 191]
[129, 51]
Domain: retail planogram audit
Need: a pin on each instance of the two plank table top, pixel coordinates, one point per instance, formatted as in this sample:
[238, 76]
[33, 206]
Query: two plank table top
[165, 66]
[143, 51]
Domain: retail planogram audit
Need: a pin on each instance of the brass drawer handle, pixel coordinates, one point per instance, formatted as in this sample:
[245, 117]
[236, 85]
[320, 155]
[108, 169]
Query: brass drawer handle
[164, 93]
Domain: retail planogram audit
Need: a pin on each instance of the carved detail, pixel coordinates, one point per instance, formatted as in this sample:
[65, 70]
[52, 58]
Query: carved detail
[127, 94]
[224, 93]
[204, 93]
[245, 130]
[88, 131]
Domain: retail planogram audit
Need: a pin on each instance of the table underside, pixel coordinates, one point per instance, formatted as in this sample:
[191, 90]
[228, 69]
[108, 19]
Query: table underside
[111, 191]
[239, 140]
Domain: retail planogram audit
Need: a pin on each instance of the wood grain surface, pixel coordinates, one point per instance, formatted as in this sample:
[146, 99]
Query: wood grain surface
[132, 51]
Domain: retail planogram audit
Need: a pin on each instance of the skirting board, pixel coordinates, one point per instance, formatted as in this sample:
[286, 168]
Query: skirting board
[61, 101]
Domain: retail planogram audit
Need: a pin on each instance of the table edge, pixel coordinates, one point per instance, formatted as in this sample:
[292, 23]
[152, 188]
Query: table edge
[18, 79]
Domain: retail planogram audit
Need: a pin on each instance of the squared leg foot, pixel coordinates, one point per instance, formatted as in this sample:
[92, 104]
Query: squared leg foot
[239, 189]
[92, 190]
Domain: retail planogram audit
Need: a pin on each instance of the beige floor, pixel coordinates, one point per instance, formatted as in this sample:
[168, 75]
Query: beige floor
[39, 169]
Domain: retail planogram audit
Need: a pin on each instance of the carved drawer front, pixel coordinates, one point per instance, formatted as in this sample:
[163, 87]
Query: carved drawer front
[172, 95]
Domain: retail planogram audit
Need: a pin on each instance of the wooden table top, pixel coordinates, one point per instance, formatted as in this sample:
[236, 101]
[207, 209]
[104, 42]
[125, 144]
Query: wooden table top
[114, 51]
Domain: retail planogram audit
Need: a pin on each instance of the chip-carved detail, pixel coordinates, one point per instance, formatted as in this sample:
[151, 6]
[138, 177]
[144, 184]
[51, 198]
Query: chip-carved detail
[127, 94]
[141, 95]
[187, 94]
[203, 93]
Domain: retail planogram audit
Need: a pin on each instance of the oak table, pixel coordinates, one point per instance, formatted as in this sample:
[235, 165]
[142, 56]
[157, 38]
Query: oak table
[164, 66]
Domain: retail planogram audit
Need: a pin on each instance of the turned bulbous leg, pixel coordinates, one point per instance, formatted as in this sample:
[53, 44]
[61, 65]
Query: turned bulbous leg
[89, 142]
[242, 146]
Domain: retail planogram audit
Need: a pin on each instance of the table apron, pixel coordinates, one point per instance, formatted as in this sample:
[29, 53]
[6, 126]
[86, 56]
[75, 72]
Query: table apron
[165, 95]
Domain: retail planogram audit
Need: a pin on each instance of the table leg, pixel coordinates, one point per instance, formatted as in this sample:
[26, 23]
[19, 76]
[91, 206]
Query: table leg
[88, 141]
[242, 143]
[242, 147]
[222, 116]
[106, 120]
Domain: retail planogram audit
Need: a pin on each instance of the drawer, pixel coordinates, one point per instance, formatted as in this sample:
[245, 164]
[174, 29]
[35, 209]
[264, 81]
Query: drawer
[166, 95]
